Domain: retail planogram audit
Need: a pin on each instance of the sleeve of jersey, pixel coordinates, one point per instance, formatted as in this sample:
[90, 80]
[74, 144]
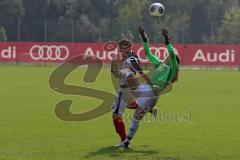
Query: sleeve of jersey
[154, 60]
[173, 59]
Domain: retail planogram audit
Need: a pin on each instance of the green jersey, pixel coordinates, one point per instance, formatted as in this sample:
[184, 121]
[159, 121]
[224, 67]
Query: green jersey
[163, 74]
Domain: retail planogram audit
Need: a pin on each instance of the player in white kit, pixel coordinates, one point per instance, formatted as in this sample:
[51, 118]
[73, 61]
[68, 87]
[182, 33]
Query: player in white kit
[129, 67]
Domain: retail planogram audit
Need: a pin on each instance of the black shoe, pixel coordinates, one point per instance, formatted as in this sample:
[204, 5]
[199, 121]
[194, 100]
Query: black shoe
[127, 145]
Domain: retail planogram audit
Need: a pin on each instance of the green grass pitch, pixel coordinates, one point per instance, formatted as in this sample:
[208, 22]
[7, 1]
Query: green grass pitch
[30, 130]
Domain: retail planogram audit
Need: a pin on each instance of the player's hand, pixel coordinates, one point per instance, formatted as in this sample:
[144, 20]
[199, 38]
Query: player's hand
[165, 31]
[141, 29]
[165, 35]
[142, 33]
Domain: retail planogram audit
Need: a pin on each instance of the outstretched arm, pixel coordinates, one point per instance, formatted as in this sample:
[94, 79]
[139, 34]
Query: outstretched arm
[173, 58]
[154, 60]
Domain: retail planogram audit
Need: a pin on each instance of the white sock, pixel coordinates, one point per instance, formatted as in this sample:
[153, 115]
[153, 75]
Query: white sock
[133, 129]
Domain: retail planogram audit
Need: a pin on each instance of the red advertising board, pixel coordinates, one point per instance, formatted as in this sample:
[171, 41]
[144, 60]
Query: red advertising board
[191, 55]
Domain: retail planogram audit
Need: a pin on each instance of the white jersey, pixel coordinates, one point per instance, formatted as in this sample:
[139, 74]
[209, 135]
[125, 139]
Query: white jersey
[124, 75]
[124, 95]
[128, 69]
[133, 63]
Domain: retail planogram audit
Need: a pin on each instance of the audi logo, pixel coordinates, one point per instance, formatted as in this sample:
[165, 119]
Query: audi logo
[52, 53]
[160, 52]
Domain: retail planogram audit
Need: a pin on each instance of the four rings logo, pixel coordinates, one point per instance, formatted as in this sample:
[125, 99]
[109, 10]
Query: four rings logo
[160, 52]
[52, 53]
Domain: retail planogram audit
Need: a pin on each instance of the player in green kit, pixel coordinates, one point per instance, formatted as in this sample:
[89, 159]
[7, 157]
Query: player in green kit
[164, 74]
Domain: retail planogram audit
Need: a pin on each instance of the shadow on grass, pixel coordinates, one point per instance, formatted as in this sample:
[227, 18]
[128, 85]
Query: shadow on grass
[113, 151]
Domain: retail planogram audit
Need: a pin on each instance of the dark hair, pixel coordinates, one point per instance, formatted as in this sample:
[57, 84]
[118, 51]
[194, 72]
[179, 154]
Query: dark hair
[124, 43]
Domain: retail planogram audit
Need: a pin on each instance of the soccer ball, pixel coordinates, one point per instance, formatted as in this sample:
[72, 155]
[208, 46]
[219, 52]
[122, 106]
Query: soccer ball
[156, 9]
